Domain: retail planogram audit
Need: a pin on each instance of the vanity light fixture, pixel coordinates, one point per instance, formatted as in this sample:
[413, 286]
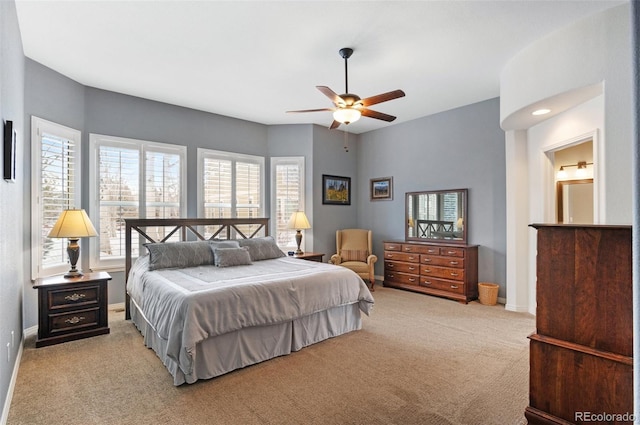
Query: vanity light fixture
[580, 172]
[542, 111]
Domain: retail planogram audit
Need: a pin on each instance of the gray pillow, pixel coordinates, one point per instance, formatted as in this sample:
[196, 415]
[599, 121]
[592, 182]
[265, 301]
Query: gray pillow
[262, 248]
[179, 254]
[222, 243]
[227, 257]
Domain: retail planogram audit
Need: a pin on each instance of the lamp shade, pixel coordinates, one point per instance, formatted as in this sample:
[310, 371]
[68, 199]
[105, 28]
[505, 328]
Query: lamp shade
[73, 224]
[346, 115]
[298, 221]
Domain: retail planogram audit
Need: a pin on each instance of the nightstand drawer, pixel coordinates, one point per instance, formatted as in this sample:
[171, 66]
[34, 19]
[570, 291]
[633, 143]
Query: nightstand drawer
[74, 320]
[73, 297]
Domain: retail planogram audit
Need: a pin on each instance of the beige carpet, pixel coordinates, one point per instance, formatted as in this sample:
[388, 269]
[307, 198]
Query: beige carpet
[417, 360]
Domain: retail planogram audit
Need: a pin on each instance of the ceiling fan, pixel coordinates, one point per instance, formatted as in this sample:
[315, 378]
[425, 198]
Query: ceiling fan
[348, 106]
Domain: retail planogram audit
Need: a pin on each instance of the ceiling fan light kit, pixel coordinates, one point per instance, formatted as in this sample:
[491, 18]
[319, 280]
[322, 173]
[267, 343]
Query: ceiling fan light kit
[349, 107]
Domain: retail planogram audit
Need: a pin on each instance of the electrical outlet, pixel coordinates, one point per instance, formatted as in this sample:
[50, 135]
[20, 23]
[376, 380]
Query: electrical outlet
[8, 352]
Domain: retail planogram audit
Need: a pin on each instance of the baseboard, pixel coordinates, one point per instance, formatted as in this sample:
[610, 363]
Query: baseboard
[12, 385]
[117, 307]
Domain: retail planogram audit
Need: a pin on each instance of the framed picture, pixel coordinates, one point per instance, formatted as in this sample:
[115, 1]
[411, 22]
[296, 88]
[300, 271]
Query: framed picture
[336, 190]
[9, 152]
[381, 189]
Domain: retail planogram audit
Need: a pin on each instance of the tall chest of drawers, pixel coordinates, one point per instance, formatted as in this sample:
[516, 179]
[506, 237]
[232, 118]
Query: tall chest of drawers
[446, 270]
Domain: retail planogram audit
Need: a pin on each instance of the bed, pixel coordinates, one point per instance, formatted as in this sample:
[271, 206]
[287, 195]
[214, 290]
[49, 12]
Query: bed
[208, 305]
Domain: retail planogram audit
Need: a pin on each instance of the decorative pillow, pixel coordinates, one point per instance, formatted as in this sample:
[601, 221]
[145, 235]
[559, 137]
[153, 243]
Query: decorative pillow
[226, 257]
[262, 248]
[179, 254]
[354, 255]
[222, 243]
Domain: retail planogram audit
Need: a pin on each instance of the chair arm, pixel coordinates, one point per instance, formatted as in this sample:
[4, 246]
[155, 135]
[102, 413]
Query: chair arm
[335, 259]
[372, 259]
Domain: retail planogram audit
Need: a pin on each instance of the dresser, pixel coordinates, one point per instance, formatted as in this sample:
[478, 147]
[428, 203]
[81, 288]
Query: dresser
[446, 270]
[71, 308]
[581, 361]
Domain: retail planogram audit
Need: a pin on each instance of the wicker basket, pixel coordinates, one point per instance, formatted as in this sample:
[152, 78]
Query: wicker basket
[488, 293]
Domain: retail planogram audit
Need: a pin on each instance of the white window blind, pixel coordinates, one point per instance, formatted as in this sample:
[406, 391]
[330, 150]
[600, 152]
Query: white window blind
[133, 179]
[287, 183]
[55, 187]
[230, 185]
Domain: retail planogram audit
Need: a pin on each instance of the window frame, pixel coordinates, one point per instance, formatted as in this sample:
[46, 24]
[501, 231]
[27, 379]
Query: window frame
[40, 126]
[204, 153]
[143, 146]
[287, 160]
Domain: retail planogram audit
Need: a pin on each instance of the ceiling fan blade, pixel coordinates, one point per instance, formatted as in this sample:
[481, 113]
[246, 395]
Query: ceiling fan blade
[382, 97]
[310, 110]
[335, 124]
[331, 95]
[377, 115]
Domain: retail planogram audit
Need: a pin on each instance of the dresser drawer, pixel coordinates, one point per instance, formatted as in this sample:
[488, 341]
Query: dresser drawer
[402, 256]
[443, 285]
[396, 266]
[443, 272]
[74, 320]
[70, 297]
[442, 261]
[409, 279]
[449, 251]
[421, 249]
[390, 246]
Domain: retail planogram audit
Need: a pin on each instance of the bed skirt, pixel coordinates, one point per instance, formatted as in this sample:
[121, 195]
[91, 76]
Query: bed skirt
[221, 354]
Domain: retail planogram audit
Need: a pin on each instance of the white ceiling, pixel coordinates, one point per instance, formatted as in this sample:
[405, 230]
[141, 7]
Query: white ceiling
[254, 60]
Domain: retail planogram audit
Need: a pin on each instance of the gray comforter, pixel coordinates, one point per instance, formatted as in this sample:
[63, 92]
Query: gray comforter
[186, 306]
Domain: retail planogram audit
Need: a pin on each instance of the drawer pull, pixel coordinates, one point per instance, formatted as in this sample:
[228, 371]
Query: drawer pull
[412, 258]
[454, 274]
[75, 320]
[412, 268]
[427, 260]
[427, 282]
[74, 297]
[454, 286]
[408, 249]
[411, 279]
[391, 275]
[451, 252]
[391, 265]
[389, 255]
[453, 263]
[432, 251]
[427, 270]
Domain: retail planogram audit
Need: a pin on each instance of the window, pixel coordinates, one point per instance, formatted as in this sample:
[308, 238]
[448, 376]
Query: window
[55, 187]
[132, 179]
[287, 188]
[230, 185]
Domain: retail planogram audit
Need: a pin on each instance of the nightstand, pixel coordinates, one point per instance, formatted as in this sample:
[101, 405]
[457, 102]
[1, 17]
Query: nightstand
[71, 308]
[311, 256]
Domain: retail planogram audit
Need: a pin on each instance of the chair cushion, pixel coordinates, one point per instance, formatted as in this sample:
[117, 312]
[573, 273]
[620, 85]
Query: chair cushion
[354, 255]
[356, 266]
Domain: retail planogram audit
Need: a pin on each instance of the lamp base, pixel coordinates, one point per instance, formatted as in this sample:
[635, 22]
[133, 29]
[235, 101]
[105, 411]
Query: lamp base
[299, 241]
[73, 273]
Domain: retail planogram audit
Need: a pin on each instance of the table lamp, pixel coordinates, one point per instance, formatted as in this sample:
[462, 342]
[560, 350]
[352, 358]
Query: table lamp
[73, 224]
[299, 222]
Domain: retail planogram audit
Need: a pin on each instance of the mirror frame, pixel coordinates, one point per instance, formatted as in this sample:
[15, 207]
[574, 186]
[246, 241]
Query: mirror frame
[465, 201]
[560, 199]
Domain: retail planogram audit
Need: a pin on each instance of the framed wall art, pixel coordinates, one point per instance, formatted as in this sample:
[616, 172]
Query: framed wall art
[9, 169]
[381, 189]
[336, 190]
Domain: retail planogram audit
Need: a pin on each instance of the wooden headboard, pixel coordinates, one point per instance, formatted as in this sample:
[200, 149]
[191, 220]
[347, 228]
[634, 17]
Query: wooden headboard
[185, 228]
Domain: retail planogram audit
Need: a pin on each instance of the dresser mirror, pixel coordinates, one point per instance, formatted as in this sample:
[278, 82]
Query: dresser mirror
[437, 215]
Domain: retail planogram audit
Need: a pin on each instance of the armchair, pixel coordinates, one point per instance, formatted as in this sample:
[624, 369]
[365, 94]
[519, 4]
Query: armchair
[354, 251]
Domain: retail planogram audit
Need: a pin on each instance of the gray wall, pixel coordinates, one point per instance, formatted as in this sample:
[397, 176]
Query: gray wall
[456, 149]
[12, 216]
